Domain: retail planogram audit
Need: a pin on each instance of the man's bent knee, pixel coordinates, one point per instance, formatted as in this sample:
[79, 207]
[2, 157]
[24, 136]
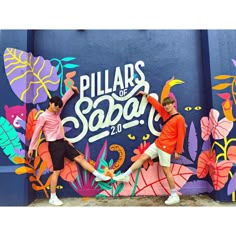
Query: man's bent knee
[144, 157]
[79, 158]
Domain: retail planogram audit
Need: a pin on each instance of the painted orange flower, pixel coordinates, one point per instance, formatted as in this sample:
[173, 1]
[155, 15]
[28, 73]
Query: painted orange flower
[108, 172]
[139, 151]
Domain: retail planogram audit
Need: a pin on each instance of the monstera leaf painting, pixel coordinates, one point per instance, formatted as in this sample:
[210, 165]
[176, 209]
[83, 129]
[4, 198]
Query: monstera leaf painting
[31, 78]
[9, 140]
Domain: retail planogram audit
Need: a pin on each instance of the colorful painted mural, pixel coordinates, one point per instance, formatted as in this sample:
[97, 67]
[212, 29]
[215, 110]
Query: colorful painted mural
[113, 127]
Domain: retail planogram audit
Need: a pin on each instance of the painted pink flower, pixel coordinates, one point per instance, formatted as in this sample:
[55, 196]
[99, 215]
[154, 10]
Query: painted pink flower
[218, 129]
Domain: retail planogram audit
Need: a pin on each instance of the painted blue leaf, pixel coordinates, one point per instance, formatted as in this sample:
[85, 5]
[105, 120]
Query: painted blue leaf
[22, 123]
[232, 185]
[31, 78]
[68, 59]
[234, 62]
[206, 145]
[20, 152]
[196, 187]
[182, 160]
[9, 140]
[194, 170]
[67, 128]
[69, 66]
[22, 137]
[192, 142]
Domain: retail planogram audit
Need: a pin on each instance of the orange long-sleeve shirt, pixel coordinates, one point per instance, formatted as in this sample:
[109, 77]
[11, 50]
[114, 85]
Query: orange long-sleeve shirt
[173, 132]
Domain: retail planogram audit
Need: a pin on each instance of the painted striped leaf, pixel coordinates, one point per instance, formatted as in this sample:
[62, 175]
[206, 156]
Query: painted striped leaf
[31, 78]
[9, 140]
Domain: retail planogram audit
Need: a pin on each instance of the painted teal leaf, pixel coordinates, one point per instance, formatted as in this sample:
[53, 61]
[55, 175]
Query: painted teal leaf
[110, 163]
[68, 59]
[57, 67]
[9, 140]
[31, 78]
[119, 189]
[101, 196]
[69, 66]
[104, 186]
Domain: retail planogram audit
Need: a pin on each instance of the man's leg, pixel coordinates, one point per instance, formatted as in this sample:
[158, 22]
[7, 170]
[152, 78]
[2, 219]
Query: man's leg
[174, 198]
[53, 185]
[124, 177]
[87, 166]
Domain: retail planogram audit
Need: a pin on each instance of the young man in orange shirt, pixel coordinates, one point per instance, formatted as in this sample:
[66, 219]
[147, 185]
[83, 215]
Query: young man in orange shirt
[171, 140]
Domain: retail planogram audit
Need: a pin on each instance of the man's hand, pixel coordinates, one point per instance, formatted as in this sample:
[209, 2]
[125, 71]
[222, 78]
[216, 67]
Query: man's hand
[75, 89]
[176, 156]
[141, 93]
[30, 153]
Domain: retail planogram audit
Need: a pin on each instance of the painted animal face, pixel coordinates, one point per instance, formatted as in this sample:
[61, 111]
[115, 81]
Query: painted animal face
[15, 113]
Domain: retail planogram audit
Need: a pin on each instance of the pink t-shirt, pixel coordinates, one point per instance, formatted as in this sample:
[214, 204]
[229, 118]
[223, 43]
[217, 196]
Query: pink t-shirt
[50, 124]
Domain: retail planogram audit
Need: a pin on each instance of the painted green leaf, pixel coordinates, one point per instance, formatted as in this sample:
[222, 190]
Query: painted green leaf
[9, 140]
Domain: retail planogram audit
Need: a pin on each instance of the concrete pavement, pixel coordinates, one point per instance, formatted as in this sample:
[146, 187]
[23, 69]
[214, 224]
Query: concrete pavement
[192, 201]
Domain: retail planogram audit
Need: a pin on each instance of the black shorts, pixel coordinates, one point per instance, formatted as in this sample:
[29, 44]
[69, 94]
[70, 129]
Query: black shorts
[58, 150]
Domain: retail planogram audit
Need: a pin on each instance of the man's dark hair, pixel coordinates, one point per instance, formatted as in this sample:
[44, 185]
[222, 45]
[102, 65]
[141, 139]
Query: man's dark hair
[57, 101]
[167, 101]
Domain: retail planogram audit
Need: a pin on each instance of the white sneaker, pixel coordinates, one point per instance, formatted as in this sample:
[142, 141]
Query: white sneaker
[103, 178]
[55, 201]
[121, 178]
[172, 199]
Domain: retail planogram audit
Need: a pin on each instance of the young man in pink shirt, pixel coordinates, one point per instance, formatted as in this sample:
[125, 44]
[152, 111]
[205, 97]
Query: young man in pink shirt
[171, 140]
[49, 122]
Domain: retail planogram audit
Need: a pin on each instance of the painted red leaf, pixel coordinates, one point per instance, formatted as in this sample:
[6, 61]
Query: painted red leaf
[30, 125]
[69, 173]
[219, 173]
[231, 153]
[204, 160]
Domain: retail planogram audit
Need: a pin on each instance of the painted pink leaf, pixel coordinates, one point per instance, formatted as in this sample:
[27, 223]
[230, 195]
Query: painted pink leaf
[218, 171]
[205, 127]
[31, 78]
[153, 181]
[69, 173]
[231, 153]
[219, 129]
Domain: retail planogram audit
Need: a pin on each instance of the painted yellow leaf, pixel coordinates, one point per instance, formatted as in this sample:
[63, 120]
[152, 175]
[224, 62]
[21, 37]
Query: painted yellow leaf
[19, 160]
[223, 76]
[24, 169]
[221, 86]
